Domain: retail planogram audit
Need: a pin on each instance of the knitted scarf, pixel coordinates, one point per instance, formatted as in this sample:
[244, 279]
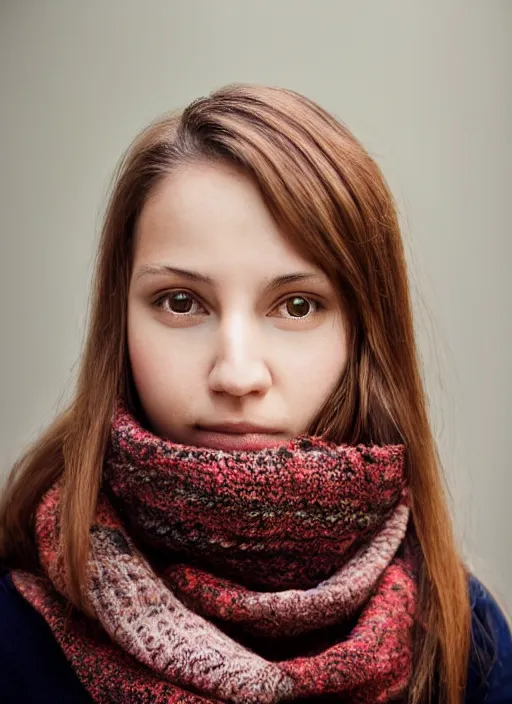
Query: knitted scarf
[246, 577]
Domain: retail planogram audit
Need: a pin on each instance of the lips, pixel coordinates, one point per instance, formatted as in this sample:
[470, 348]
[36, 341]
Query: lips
[238, 436]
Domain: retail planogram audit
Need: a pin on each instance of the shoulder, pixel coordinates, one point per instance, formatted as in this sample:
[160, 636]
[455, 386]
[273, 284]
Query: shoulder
[27, 646]
[33, 669]
[490, 665]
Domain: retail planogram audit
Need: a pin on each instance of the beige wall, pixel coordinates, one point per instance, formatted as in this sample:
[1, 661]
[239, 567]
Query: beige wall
[426, 86]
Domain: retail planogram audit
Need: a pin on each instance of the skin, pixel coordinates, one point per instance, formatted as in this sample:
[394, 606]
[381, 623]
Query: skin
[230, 350]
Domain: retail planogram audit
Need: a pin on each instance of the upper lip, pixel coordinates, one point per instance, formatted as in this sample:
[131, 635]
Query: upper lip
[241, 428]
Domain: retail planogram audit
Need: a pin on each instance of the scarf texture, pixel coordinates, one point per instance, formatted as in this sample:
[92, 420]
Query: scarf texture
[245, 577]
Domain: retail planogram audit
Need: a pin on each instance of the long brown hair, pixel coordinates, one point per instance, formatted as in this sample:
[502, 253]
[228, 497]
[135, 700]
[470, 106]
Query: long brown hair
[330, 198]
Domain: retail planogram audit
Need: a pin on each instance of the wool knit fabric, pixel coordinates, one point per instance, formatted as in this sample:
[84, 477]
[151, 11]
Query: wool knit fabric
[246, 577]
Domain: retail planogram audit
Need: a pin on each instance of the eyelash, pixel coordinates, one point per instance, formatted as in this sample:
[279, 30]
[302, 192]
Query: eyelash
[159, 304]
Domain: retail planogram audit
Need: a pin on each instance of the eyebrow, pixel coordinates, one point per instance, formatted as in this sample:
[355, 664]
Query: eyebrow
[295, 277]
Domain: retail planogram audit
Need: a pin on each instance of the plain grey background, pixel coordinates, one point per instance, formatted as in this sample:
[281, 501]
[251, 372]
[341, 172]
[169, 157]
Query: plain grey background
[425, 85]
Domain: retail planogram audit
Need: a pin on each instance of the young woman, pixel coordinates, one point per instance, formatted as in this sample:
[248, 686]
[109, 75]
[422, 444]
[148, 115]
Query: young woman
[243, 501]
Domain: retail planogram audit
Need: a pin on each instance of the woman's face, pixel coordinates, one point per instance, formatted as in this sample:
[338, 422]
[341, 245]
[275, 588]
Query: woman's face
[227, 323]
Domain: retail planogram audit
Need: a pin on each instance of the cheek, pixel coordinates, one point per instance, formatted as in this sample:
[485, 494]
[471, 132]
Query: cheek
[319, 365]
[161, 372]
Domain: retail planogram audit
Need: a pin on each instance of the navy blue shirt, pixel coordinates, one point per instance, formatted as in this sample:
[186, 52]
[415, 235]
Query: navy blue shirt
[34, 670]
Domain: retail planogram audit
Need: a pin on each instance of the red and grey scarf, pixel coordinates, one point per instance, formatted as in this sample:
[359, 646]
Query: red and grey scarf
[246, 577]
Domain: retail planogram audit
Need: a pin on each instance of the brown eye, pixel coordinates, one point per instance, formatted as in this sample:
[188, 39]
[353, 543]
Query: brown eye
[177, 303]
[298, 307]
[180, 302]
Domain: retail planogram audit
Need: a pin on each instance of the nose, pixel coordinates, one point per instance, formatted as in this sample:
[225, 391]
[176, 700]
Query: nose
[239, 368]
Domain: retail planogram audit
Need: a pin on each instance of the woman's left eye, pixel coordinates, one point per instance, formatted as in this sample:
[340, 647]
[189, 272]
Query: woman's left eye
[299, 307]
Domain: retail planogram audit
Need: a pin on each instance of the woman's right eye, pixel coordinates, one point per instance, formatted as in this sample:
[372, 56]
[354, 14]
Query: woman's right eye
[178, 303]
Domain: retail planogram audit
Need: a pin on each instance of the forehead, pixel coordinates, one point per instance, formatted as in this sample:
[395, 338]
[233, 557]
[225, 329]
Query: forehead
[212, 214]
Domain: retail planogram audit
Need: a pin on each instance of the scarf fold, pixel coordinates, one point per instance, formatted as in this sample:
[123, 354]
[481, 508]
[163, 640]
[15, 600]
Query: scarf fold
[243, 577]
